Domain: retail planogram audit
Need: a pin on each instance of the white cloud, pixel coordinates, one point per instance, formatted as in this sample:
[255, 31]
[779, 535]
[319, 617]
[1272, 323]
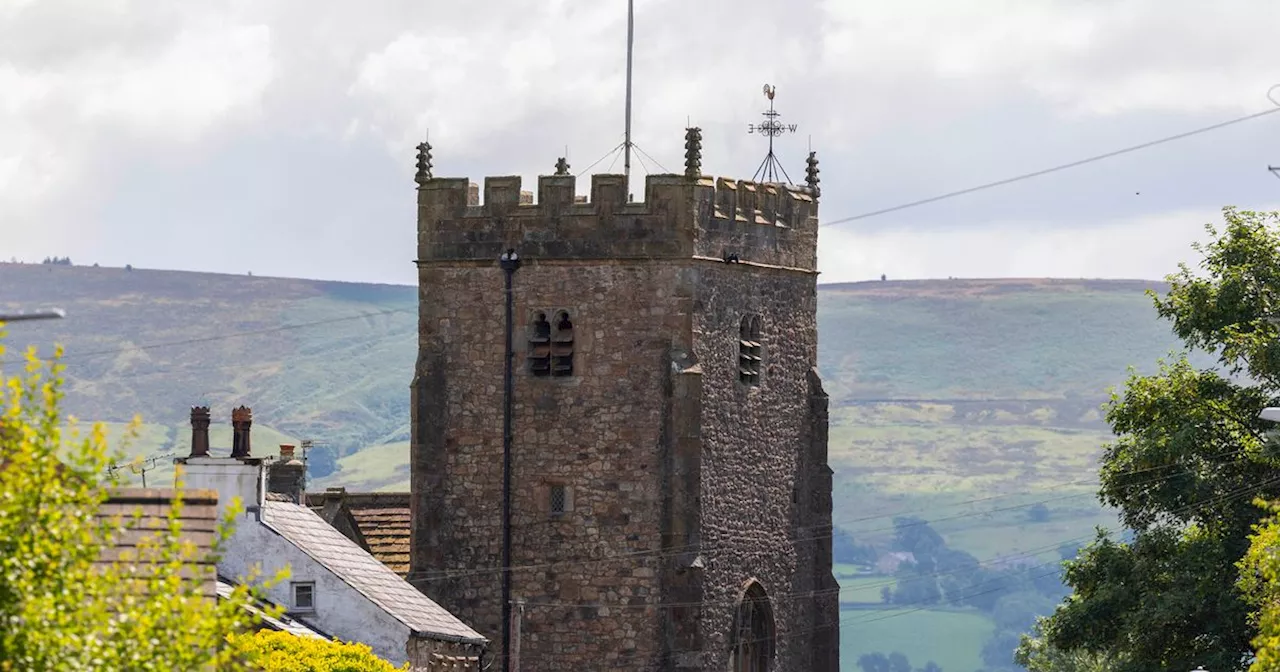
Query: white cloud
[97, 93]
[1146, 247]
[202, 79]
[1086, 58]
[109, 83]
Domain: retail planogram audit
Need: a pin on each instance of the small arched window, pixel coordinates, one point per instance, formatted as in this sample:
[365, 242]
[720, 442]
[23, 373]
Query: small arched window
[749, 350]
[540, 346]
[754, 632]
[562, 346]
[551, 345]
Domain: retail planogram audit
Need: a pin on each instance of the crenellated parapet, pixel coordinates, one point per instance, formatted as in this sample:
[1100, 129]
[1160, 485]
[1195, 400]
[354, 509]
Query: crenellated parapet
[765, 223]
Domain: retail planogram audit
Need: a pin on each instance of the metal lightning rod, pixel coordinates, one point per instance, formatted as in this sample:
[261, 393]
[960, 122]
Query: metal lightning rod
[626, 143]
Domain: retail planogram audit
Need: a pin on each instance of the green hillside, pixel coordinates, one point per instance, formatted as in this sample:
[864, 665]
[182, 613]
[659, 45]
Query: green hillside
[961, 402]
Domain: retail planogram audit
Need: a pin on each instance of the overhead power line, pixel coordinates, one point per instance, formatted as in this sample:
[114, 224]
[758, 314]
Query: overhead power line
[1046, 171]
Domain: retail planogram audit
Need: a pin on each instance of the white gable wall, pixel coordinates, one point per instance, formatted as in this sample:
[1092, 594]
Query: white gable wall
[340, 610]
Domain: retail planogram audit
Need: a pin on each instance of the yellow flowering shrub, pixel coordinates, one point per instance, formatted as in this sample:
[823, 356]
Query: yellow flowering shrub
[1260, 582]
[60, 611]
[282, 652]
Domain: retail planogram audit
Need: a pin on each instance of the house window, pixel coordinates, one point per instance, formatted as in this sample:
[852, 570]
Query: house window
[551, 345]
[749, 352]
[753, 633]
[304, 595]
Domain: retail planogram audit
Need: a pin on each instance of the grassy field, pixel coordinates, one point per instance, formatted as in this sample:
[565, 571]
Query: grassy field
[953, 640]
[963, 402]
[383, 467]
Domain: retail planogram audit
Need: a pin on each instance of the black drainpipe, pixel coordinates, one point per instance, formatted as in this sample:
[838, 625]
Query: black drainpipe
[509, 261]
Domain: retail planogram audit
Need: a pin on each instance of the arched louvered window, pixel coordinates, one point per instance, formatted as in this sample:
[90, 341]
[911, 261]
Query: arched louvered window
[750, 354]
[540, 346]
[551, 345]
[562, 346]
[754, 632]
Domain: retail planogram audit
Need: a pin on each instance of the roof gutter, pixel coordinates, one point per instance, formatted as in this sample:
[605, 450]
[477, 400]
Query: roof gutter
[455, 639]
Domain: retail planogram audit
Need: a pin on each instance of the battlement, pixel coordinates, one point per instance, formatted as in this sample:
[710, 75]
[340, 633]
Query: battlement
[767, 223]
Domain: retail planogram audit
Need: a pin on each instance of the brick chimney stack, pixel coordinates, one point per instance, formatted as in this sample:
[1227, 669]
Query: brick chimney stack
[199, 431]
[241, 421]
[287, 475]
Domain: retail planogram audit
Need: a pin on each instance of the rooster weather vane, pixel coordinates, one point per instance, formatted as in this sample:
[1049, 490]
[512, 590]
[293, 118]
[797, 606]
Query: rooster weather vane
[771, 169]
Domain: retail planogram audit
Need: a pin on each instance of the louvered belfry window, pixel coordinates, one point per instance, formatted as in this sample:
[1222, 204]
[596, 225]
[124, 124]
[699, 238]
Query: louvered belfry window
[749, 350]
[562, 346]
[540, 346]
[551, 345]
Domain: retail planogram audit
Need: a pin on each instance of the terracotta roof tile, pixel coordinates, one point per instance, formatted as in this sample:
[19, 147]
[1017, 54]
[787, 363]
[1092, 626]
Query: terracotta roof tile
[383, 518]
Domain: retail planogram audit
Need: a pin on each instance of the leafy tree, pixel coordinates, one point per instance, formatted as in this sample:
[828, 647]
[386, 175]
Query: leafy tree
[1069, 551]
[930, 667]
[1036, 655]
[321, 462]
[898, 662]
[59, 609]
[998, 651]
[846, 549]
[874, 662]
[1188, 458]
[1260, 583]
[1038, 513]
[915, 536]
[283, 652]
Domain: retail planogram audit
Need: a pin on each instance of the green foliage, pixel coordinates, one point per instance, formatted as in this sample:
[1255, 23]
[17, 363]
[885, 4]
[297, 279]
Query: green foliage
[1260, 584]
[968, 351]
[1037, 655]
[894, 662]
[1038, 513]
[61, 610]
[283, 652]
[1186, 462]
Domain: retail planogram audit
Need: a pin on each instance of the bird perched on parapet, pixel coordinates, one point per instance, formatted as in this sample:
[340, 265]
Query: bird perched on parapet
[731, 258]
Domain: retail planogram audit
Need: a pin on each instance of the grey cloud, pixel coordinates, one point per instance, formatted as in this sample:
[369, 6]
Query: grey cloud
[313, 176]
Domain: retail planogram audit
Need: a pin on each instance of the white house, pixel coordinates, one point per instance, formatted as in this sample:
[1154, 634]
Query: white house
[334, 585]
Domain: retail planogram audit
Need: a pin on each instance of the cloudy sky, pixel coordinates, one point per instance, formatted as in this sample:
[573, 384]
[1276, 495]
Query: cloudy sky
[276, 136]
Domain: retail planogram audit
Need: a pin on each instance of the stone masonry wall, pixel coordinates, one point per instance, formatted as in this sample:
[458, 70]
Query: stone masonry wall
[678, 219]
[683, 484]
[589, 577]
[759, 466]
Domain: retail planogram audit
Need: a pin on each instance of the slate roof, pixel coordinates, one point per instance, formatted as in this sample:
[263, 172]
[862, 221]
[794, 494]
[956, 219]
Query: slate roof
[318, 539]
[284, 623]
[382, 519]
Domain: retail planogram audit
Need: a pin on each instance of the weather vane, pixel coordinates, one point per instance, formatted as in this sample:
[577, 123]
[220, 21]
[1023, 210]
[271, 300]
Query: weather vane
[770, 169]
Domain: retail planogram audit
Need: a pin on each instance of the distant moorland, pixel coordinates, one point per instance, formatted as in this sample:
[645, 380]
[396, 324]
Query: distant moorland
[971, 406]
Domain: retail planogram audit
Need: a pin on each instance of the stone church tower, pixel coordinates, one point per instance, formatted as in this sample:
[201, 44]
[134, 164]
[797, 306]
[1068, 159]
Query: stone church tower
[670, 501]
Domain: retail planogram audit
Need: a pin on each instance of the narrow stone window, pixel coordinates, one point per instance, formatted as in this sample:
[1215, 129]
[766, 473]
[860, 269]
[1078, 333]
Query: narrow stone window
[540, 346]
[558, 499]
[753, 632]
[562, 346]
[304, 595]
[749, 351]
